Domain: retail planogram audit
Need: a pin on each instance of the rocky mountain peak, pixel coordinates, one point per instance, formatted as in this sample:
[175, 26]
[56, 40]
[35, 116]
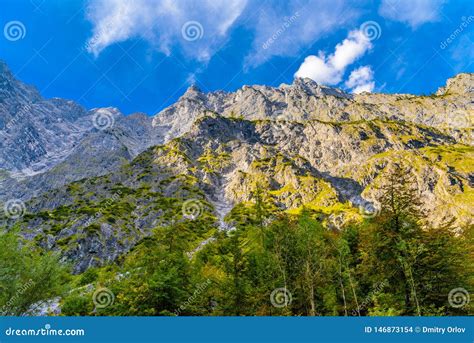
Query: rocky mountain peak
[194, 88]
[193, 92]
[460, 84]
[305, 99]
[10, 87]
[304, 81]
[4, 68]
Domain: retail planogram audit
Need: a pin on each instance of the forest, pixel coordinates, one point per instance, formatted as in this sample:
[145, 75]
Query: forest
[272, 263]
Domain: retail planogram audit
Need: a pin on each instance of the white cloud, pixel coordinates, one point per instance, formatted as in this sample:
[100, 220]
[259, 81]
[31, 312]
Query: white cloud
[162, 24]
[287, 28]
[282, 29]
[411, 12]
[361, 80]
[330, 69]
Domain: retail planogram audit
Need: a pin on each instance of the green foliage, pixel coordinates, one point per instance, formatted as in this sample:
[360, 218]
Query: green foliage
[272, 263]
[77, 305]
[421, 264]
[27, 275]
[89, 276]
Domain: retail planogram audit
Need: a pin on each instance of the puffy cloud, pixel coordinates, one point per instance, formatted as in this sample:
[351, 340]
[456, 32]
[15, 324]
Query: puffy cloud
[361, 80]
[197, 27]
[330, 69]
[283, 29]
[286, 28]
[411, 12]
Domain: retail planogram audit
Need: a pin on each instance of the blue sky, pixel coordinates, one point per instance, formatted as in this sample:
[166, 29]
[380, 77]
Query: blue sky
[141, 55]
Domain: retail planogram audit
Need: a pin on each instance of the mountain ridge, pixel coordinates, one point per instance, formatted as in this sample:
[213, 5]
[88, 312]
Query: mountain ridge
[32, 149]
[112, 179]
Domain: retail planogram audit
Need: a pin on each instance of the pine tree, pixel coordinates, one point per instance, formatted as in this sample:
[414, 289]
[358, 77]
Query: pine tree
[395, 237]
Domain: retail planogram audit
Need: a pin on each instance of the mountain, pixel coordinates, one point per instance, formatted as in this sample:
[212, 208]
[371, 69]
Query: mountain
[450, 108]
[47, 143]
[97, 153]
[305, 145]
[35, 133]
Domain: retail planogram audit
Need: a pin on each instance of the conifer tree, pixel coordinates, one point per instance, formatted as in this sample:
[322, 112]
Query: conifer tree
[395, 236]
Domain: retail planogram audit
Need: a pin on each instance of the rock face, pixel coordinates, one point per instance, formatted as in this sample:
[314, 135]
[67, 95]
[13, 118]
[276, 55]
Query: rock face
[304, 144]
[324, 165]
[451, 107]
[46, 144]
[35, 133]
[462, 84]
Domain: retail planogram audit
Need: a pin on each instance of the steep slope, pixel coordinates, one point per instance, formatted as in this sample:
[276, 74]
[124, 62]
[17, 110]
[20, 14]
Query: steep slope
[35, 133]
[331, 168]
[324, 165]
[46, 143]
[95, 220]
[99, 152]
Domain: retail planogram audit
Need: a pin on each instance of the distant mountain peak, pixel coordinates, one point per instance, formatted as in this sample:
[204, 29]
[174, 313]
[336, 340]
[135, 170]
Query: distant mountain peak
[6, 76]
[4, 68]
[10, 87]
